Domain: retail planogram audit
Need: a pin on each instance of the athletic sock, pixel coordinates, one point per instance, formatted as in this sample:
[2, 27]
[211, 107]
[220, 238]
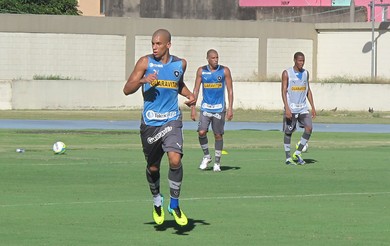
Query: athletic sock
[174, 203]
[203, 140]
[153, 179]
[157, 200]
[305, 137]
[175, 176]
[287, 145]
[218, 150]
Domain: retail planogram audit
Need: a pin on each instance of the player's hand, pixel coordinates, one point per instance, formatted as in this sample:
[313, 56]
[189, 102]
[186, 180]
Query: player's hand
[149, 78]
[191, 100]
[193, 113]
[288, 114]
[313, 113]
[229, 114]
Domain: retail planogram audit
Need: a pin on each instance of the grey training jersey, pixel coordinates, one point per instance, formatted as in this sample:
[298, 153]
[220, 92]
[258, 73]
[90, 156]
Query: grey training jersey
[297, 91]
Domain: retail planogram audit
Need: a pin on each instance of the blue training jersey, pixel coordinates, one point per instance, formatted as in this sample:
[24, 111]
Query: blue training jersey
[213, 89]
[161, 96]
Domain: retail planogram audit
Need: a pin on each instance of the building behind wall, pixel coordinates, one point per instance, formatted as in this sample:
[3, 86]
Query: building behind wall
[329, 11]
[92, 7]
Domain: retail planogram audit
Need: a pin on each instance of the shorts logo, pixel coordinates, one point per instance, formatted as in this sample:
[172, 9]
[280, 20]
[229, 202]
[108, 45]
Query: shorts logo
[159, 135]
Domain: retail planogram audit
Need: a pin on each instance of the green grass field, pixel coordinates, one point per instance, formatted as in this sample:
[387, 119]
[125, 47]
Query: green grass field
[323, 116]
[96, 193]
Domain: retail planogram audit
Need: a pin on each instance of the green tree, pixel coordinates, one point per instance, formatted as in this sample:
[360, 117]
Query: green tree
[44, 7]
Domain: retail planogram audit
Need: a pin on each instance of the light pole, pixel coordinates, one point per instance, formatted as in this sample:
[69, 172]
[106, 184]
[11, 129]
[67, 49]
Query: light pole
[372, 5]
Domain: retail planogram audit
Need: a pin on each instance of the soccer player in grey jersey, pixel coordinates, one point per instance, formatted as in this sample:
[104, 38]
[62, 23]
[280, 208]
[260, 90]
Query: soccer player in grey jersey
[295, 91]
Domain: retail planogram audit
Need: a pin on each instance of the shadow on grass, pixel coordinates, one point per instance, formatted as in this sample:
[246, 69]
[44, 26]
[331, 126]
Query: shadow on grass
[179, 230]
[227, 168]
[223, 168]
[310, 161]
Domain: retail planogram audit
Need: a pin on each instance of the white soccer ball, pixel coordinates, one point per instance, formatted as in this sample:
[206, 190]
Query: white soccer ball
[304, 147]
[59, 147]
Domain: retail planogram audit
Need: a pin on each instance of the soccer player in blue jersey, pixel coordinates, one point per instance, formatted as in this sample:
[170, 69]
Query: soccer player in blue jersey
[160, 75]
[295, 91]
[214, 79]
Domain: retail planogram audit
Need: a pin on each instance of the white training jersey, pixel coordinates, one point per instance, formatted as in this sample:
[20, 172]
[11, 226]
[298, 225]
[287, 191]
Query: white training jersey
[297, 91]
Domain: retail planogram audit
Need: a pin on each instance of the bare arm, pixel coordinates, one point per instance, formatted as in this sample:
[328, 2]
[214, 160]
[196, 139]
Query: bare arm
[183, 89]
[284, 94]
[198, 81]
[137, 78]
[229, 87]
[310, 98]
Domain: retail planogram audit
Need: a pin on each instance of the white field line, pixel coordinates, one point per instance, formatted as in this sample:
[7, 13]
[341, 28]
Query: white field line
[203, 198]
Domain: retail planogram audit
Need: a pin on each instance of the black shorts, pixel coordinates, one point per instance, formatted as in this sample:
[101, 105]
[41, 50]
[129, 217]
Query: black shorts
[157, 140]
[290, 125]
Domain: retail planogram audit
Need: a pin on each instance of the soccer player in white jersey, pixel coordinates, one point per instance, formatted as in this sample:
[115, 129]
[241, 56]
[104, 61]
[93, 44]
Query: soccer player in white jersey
[295, 94]
[214, 79]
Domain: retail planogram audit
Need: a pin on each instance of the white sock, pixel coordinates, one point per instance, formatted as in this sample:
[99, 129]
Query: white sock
[157, 200]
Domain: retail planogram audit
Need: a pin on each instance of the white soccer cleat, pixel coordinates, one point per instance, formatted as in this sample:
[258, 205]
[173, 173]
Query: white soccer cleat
[205, 161]
[217, 167]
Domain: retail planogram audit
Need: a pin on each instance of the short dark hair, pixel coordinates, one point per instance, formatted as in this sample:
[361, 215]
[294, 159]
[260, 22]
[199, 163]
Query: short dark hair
[298, 54]
[211, 51]
[164, 32]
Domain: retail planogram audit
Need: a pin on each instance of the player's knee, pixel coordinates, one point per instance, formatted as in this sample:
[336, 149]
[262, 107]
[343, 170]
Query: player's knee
[174, 159]
[218, 136]
[289, 131]
[308, 129]
[153, 169]
[202, 133]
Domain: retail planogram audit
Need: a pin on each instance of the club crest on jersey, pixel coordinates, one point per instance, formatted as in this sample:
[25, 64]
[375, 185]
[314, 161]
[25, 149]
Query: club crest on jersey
[176, 73]
[219, 78]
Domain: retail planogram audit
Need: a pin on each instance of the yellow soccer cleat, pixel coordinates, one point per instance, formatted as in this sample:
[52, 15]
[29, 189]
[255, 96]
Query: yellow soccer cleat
[158, 213]
[180, 217]
[298, 159]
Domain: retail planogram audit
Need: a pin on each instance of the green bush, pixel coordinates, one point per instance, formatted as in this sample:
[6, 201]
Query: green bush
[45, 7]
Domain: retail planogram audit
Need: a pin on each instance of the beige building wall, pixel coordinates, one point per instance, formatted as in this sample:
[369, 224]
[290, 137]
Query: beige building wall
[107, 48]
[341, 54]
[242, 62]
[280, 54]
[345, 50]
[77, 56]
[101, 52]
[90, 7]
[85, 94]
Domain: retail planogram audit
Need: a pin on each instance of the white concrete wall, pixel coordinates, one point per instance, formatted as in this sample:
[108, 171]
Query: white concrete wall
[5, 94]
[79, 56]
[239, 54]
[354, 97]
[280, 54]
[344, 53]
[69, 94]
